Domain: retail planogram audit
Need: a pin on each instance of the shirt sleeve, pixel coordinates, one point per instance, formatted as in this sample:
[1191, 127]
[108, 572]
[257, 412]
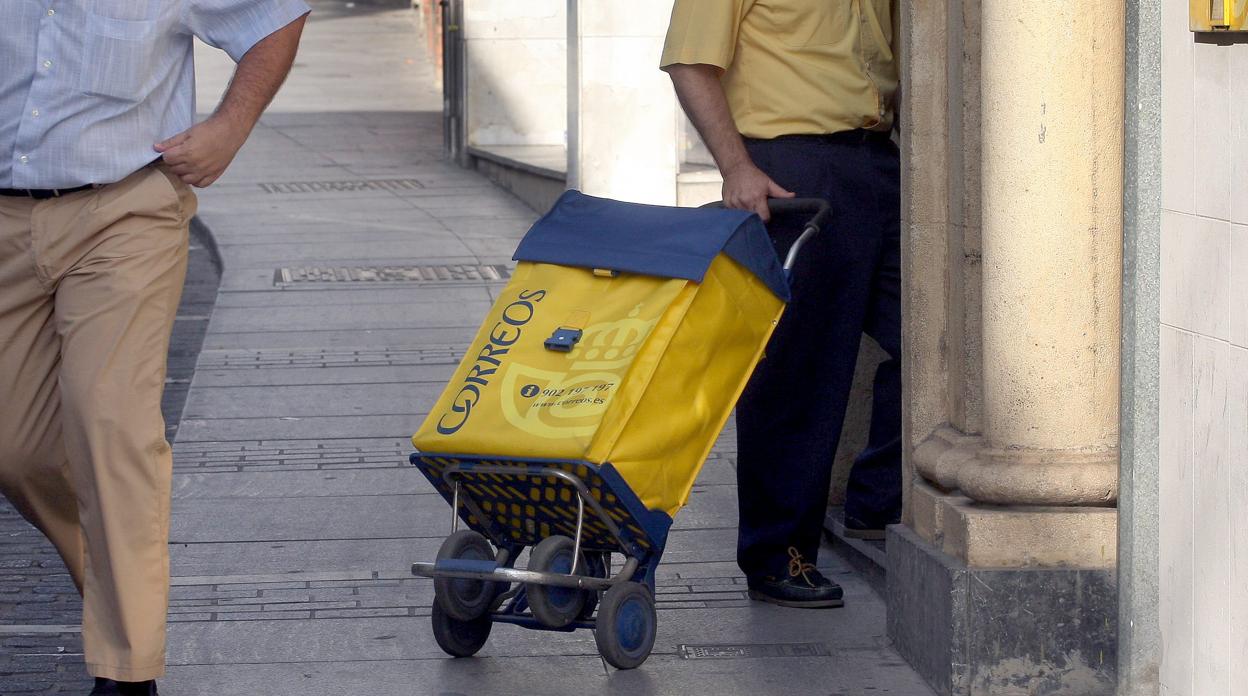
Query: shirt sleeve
[234, 26]
[704, 32]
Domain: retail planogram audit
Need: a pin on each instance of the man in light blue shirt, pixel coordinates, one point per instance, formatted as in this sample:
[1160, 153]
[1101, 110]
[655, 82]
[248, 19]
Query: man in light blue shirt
[98, 154]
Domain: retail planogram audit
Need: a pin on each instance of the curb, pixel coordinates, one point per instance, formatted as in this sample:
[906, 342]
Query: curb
[202, 234]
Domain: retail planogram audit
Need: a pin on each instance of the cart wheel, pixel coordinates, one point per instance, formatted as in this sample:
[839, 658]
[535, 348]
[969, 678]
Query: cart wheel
[627, 625]
[596, 567]
[459, 638]
[554, 606]
[460, 598]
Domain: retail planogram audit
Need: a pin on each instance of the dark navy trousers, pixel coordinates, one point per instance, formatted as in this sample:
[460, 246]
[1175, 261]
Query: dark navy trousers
[847, 281]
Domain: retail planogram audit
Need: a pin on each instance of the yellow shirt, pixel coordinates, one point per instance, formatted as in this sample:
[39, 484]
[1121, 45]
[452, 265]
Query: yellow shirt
[793, 66]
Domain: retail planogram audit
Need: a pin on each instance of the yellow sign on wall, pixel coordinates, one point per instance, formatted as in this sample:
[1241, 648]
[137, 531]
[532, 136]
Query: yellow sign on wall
[1218, 15]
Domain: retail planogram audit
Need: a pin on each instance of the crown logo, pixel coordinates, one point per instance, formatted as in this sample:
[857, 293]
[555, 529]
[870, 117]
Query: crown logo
[612, 344]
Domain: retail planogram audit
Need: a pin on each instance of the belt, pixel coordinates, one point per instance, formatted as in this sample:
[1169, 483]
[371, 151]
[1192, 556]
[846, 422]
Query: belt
[44, 194]
[858, 135]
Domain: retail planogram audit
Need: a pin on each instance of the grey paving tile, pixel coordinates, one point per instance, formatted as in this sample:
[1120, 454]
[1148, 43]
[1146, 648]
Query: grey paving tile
[845, 674]
[283, 250]
[375, 639]
[402, 479]
[337, 374]
[311, 400]
[370, 338]
[365, 555]
[282, 519]
[229, 429]
[377, 295]
[349, 316]
[494, 676]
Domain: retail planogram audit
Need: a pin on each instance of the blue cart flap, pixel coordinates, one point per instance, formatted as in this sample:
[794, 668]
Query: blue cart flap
[655, 240]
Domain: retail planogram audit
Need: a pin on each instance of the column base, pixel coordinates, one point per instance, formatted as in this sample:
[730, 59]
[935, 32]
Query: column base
[972, 631]
[1014, 536]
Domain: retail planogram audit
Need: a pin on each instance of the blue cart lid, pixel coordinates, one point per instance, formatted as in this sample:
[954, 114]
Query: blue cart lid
[655, 240]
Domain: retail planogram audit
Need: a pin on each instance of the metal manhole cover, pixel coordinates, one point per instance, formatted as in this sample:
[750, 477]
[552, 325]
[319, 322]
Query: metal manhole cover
[351, 185]
[748, 650]
[390, 274]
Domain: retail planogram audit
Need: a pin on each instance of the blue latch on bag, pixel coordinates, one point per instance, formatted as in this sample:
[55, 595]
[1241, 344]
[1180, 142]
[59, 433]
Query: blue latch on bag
[563, 339]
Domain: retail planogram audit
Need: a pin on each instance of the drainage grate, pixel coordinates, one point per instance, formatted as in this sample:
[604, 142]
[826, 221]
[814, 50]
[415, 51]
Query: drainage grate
[742, 651]
[357, 185]
[390, 274]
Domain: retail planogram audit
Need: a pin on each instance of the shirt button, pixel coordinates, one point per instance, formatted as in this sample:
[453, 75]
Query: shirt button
[34, 112]
[51, 12]
[47, 63]
[23, 159]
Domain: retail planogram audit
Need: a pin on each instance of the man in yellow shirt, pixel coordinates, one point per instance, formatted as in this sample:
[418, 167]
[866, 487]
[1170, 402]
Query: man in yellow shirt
[795, 97]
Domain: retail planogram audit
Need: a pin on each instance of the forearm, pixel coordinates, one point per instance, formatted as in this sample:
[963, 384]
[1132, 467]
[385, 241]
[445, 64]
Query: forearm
[201, 154]
[702, 96]
[259, 75]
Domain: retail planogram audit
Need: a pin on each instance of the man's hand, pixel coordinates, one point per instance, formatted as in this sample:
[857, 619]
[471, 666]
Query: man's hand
[746, 187]
[200, 155]
[702, 96]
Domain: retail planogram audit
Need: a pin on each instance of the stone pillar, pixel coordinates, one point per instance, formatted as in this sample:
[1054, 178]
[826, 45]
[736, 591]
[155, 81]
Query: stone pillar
[622, 112]
[1001, 576]
[1052, 90]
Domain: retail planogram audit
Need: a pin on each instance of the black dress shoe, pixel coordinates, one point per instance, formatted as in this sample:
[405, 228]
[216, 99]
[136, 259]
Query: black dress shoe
[805, 587]
[108, 687]
[859, 529]
[143, 688]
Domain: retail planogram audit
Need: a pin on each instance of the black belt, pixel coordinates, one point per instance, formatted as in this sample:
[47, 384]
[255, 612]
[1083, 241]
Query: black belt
[43, 194]
[858, 135]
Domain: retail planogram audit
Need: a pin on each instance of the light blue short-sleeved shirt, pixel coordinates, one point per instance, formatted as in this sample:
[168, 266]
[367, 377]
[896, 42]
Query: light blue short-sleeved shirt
[88, 86]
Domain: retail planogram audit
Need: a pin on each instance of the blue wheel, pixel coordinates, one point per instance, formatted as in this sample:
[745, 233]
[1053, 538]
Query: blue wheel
[462, 599]
[627, 625]
[555, 606]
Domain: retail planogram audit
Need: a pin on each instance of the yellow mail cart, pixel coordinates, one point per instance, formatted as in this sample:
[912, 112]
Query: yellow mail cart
[584, 409]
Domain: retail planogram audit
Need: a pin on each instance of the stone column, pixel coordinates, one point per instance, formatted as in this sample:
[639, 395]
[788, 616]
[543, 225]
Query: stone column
[622, 112]
[1002, 575]
[1052, 213]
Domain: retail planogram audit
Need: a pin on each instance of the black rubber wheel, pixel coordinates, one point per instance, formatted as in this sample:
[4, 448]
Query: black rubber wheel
[459, 638]
[627, 625]
[461, 599]
[596, 567]
[555, 607]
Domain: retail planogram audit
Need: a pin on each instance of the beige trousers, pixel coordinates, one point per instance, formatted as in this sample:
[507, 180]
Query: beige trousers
[89, 287]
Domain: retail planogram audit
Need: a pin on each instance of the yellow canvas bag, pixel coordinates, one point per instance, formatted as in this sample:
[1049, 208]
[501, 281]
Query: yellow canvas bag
[625, 336]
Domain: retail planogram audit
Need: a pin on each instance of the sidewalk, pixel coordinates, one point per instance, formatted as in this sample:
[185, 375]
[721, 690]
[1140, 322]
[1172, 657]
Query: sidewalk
[353, 280]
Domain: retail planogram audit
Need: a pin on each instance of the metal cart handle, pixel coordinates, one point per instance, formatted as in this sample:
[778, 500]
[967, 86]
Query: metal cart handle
[819, 209]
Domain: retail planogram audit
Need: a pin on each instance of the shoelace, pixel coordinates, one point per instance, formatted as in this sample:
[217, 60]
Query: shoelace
[799, 567]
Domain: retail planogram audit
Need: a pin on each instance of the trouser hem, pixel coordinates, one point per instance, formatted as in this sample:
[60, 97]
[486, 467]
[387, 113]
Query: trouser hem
[126, 674]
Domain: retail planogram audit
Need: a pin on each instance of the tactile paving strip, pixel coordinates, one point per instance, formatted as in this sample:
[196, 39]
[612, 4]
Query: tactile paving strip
[347, 186]
[492, 273]
[752, 650]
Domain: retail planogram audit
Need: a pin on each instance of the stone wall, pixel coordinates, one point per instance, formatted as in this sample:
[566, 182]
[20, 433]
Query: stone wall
[1204, 360]
[516, 72]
